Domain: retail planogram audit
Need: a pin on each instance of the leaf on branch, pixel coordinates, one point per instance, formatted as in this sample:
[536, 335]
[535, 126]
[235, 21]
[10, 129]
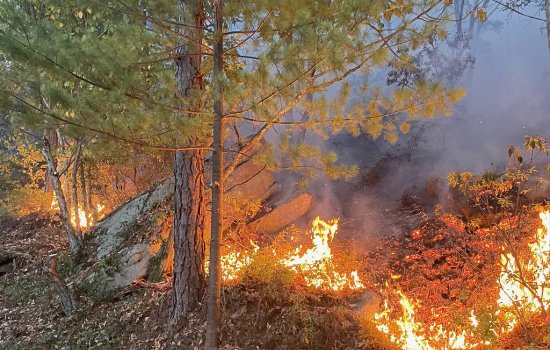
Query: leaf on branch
[481, 14]
[405, 127]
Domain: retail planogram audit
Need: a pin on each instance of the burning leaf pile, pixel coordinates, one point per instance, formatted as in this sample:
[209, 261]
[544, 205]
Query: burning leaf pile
[315, 265]
[463, 290]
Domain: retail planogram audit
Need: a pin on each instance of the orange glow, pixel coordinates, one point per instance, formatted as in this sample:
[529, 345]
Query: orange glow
[315, 264]
[234, 262]
[524, 285]
[85, 221]
[523, 293]
[409, 334]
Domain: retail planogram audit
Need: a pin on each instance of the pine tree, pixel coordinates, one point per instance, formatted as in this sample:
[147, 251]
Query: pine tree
[109, 71]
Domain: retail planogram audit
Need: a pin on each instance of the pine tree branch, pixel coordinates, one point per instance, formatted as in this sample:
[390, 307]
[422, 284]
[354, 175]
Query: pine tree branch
[165, 28]
[96, 84]
[518, 12]
[260, 134]
[249, 36]
[347, 73]
[328, 121]
[103, 132]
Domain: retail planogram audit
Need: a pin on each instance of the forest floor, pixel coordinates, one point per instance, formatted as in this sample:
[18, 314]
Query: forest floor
[437, 262]
[256, 316]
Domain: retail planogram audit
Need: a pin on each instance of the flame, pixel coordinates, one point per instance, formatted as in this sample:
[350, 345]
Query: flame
[412, 335]
[314, 264]
[524, 285]
[234, 262]
[523, 293]
[85, 221]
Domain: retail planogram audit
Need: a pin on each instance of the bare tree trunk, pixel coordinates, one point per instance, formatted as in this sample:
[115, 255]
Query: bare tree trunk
[74, 242]
[48, 184]
[91, 207]
[547, 14]
[189, 216]
[213, 315]
[85, 207]
[67, 185]
[189, 192]
[74, 183]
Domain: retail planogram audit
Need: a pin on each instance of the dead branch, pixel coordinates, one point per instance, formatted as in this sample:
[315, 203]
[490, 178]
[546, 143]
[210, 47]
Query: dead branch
[68, 304]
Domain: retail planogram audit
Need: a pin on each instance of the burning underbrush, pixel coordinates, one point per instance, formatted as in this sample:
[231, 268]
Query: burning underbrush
[312, 263]
[452, 287]
[450, 283]
[267, 304]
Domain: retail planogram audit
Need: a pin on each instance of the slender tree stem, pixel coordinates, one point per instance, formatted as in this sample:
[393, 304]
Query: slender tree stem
[74, 182]
[214, 278]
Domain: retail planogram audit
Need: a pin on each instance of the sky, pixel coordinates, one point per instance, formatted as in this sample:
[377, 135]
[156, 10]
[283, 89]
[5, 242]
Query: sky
[508, 95]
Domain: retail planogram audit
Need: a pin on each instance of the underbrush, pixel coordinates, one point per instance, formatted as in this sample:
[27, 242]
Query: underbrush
[271, 307]
[268, 307]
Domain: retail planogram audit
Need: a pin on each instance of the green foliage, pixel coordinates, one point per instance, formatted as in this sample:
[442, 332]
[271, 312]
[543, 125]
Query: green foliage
[95, 68]
[267, 270]
[481, 14]
[22, 173]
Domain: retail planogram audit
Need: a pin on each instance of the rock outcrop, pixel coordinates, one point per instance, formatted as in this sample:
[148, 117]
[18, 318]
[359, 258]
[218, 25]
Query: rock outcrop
[135, 241]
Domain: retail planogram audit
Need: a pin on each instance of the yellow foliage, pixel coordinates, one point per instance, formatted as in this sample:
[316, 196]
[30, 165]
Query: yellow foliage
[25, 200]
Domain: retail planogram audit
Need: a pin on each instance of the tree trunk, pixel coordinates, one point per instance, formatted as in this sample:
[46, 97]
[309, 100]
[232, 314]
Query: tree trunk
[189, 216]
[83, 195]
[68, 304]
[67, 189]
[547, 14]
[74, 183]
[214, 274]
[189, 192]
[74, 242]
[91, 207]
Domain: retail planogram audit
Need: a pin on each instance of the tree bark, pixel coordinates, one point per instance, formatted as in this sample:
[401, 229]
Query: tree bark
[74, 183]
[68, 304]
[83, 195]
[214, 274]
[189, 192]
[189, 216]
[74, 242]
[91, 207]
